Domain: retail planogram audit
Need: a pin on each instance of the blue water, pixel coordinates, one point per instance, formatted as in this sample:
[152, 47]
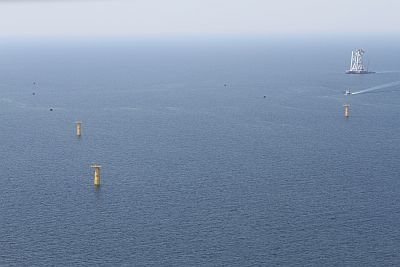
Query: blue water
[195, 173]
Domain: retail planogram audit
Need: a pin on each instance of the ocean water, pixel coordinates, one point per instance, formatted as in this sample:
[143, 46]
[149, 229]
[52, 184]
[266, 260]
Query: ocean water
[196, 173]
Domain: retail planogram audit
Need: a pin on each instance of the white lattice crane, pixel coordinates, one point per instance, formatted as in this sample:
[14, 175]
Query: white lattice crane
[357, 65]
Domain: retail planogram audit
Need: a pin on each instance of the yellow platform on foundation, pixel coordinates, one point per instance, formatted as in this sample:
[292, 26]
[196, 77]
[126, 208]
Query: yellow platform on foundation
[78, 128]
[346, 110]
[96, 174]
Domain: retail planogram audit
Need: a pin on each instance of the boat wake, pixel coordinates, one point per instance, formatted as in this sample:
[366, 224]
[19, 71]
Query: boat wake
[383, 86]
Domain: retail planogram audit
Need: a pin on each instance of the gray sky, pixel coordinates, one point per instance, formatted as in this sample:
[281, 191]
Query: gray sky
[196, 17]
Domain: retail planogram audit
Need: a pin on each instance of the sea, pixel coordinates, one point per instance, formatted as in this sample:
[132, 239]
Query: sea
[213, 152]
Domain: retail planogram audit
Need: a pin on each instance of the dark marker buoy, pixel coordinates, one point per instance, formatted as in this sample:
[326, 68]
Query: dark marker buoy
[265, 96]
[51, 109]
[33, 93]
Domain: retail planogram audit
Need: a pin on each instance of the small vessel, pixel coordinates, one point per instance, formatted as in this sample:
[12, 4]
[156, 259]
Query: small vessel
[347, 92]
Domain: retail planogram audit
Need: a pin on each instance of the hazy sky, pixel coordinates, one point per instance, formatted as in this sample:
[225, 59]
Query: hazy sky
[196, 17]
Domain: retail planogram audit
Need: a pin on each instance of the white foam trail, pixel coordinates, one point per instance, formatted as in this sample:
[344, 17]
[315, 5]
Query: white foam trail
[388, 71]
[386, 85]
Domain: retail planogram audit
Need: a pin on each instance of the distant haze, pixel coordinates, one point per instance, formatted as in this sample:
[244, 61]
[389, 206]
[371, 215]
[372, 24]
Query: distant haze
[197, 17]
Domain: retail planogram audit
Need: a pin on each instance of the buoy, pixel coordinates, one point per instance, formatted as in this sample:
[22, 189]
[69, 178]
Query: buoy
[51, 109]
